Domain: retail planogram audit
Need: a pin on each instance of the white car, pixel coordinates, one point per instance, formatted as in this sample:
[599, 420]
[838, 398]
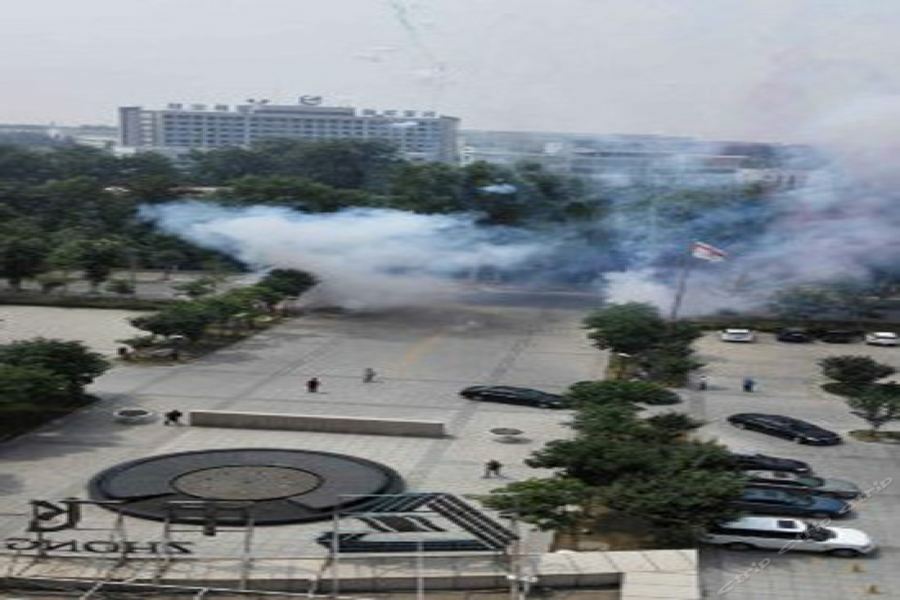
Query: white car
[783, 534]
[737, 335]
[882, 338]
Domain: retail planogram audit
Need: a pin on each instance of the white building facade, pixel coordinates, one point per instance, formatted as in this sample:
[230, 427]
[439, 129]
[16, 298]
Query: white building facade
[177, 129]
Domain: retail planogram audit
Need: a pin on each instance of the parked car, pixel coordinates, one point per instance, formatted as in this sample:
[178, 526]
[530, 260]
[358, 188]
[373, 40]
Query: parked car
[769, 463]
[882, 338]
[760, 500]
[737, 335]
[795, 336]
[785, 427]
[513, 395]
[789, 534]
[838, 336]
[837, 488]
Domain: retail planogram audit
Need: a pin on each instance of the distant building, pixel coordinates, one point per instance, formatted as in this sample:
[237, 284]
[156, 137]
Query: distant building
[177, 129]
[624, 160]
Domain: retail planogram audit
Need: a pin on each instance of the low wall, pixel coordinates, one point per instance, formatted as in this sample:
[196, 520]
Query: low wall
[326, 423]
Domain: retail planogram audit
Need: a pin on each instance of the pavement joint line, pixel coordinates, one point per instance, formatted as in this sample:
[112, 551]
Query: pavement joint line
[437, 451]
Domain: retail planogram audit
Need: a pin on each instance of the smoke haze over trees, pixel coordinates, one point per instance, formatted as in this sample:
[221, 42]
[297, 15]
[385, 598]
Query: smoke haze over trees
[354, 212]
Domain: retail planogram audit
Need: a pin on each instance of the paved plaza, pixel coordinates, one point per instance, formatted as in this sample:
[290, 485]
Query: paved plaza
[423, 357]
[788, 383]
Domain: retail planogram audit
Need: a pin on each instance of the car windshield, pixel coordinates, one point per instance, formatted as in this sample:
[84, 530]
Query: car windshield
[819, 534]
[811, 481]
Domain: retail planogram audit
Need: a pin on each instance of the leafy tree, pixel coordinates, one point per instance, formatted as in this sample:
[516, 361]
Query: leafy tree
[22, 387]
[168, 259]
[196, 288]
[683, 503]
[877, 405]
[122, 287]
[72, 361]
[427, 188]
[290, 282]
[602, 392]
[20, 259]
[859, 371]
[98, 258]
[673, 425]
[627, 328]
[556, 503]
[189, 319]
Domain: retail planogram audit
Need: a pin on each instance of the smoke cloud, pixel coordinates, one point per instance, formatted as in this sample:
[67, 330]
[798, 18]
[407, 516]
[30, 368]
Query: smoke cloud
[365, 258]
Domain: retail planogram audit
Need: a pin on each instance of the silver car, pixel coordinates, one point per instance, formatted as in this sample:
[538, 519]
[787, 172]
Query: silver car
[783, 480]
[882, 338]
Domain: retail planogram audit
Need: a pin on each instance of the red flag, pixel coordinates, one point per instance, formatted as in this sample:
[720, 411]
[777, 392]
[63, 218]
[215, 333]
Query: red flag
[707, 252]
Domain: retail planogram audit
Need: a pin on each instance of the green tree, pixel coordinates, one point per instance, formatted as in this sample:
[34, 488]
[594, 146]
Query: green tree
[189, 319]
[98, 258]
[20, 259]
[290, 282]
[24, 387]
[857, 371]
[681, 503]
[602, 392]
[197, 288]
[673, 425]
[877, 405]
[627, 328]
[71, 360]
[427, 188]
[556, 503]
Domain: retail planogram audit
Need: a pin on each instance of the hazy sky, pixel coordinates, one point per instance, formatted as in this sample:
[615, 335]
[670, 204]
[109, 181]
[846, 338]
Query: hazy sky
[755, 69]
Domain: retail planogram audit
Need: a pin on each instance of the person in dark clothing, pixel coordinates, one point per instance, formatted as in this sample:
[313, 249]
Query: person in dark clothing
[748, 384]
[368, 375]
[312, 386]
[492, 468]
[173, 417]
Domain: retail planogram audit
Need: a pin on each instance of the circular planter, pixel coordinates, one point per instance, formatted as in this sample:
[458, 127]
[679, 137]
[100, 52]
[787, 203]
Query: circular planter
[133, 416]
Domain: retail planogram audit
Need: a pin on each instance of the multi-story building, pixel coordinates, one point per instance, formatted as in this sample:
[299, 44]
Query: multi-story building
[623, 160]
[177, 129]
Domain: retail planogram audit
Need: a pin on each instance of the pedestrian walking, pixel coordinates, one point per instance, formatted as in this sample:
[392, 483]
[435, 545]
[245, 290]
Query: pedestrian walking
[492, 468]
[702, 383]
[173, 417]
[312, 386]
[749, 384]
[369, 375]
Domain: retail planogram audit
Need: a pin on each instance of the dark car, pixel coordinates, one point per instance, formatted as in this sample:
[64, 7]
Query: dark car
[781, 502]
[785, 427]
[795, 336]
[839, 336]
[769, 463]
[513, 395]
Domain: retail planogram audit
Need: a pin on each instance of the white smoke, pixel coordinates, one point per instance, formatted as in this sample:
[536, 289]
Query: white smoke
[365, 258]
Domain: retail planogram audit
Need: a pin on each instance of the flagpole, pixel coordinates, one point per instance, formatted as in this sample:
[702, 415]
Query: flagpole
[686, 263]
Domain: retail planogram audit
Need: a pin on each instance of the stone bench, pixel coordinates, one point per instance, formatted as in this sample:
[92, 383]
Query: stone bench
[322, 423]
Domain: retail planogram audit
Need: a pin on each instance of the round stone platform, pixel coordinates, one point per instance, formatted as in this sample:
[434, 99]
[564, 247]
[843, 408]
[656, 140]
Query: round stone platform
[279, 486]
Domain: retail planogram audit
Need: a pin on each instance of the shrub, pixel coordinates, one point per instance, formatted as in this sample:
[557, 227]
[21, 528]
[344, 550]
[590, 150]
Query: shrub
[603, 392]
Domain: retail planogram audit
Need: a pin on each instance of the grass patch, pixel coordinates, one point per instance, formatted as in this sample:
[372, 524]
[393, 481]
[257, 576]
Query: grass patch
[882, 437]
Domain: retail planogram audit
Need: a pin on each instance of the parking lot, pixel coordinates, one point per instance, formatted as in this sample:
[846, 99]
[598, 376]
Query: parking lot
[788, 381]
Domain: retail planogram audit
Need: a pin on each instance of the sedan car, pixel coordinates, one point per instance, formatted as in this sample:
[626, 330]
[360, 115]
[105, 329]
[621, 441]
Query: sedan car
[737, 335]
[785, 427]
[837, 488]
[882, 338]
[513, 395]
[794, 336]
[769, 463]
[766, 501]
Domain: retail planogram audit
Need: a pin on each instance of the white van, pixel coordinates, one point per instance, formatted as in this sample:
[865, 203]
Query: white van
[783, 534]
